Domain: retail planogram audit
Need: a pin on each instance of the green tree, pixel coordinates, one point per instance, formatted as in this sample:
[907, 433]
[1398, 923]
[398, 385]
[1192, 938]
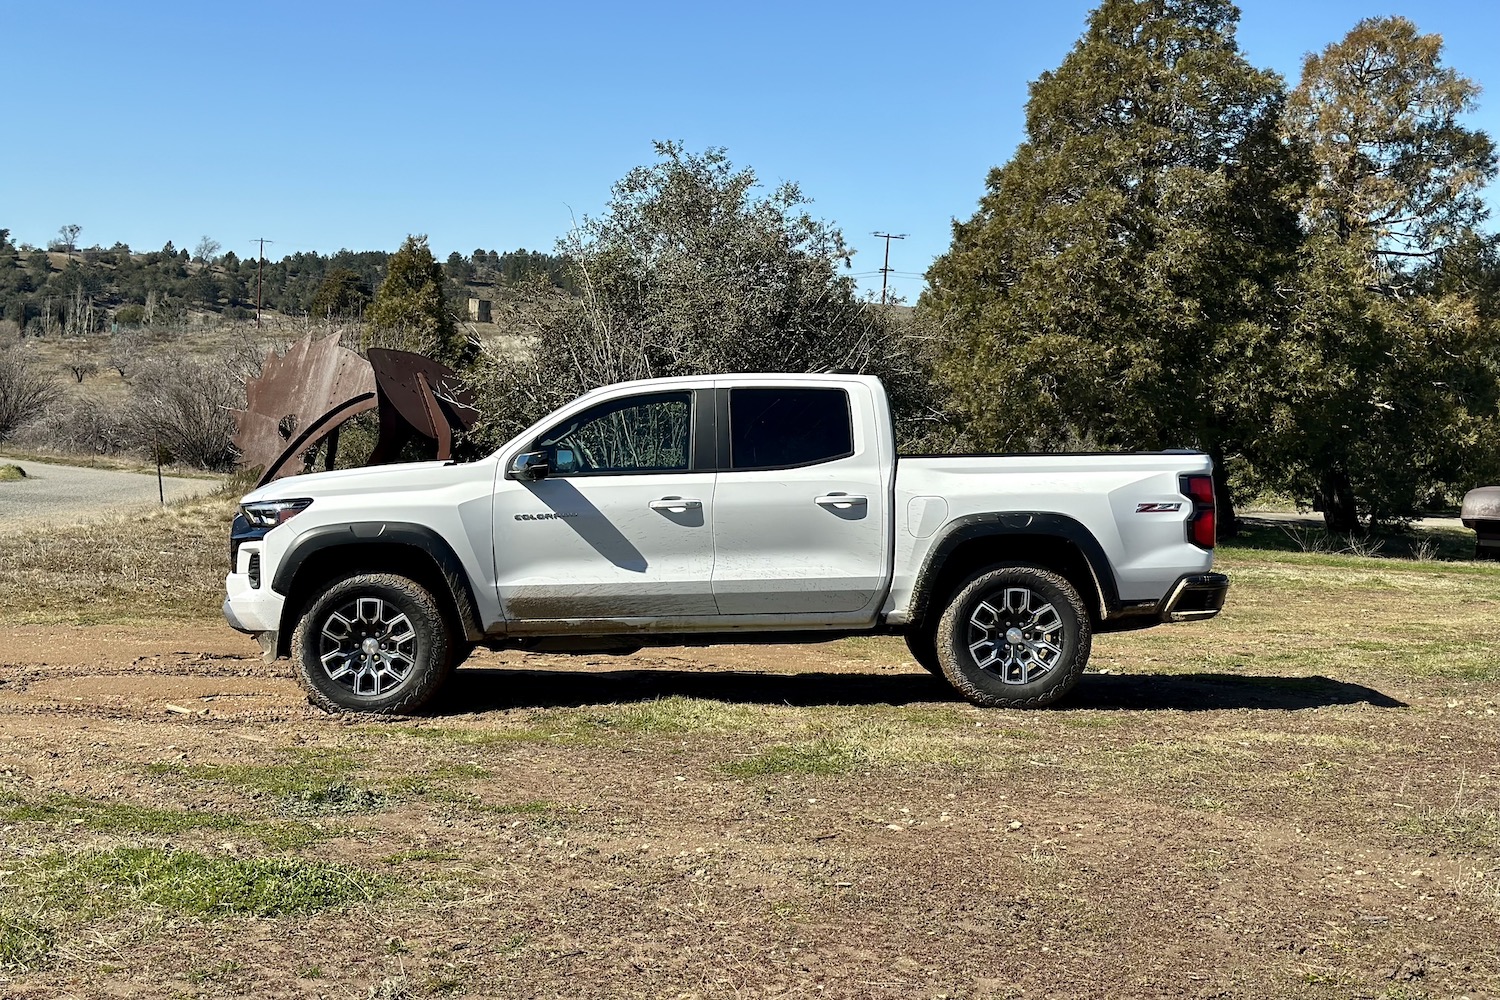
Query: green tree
[343, 293]
[690, 271]
[410, 309]
[1382, 385]
[1119, 258]
[458, 269]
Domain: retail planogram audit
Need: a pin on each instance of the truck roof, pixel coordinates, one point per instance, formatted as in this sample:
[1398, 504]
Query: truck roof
[743, 378]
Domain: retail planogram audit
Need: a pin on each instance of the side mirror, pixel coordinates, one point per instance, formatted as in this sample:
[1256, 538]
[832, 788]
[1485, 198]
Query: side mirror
[530, 466]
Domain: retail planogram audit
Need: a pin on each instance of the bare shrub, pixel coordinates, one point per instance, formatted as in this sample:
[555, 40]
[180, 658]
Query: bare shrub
[82, 426]
[1424, 550]
[81, 368]
[1307, 539]
[25, 390]
[181, 407]
[1366, 546]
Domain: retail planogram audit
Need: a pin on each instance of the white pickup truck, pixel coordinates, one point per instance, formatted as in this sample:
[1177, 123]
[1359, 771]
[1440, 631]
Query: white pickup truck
[730, 508]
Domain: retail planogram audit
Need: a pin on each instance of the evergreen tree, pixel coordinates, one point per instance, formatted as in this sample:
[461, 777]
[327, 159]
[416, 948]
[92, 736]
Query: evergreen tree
[1382, 386]
[1124, 252]
[410, 309]
[343, 293]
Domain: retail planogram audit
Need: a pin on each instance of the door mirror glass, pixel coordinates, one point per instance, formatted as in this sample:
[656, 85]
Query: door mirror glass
[530, 466]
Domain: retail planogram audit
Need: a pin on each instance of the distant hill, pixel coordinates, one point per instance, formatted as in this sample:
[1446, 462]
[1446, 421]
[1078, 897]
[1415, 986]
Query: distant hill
[95, 289]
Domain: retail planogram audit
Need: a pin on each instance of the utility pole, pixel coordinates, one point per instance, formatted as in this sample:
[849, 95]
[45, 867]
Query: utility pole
[260, 263]
[886, 270]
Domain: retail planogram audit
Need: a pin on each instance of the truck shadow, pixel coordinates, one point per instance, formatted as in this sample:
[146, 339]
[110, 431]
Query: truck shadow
[480, 689]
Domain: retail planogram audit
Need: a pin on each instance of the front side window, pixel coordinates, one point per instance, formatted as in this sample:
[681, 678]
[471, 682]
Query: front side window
[782, 428]
[635, 434]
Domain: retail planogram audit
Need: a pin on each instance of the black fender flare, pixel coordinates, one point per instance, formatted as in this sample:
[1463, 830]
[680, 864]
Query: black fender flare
[398, 533]
[1017, 524]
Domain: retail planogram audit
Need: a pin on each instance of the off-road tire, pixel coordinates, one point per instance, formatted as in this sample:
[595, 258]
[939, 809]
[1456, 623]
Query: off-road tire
[430, 651]
[989, 607]
[923, 647]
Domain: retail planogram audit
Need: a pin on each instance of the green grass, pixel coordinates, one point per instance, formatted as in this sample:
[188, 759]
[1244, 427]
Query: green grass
[192, 884]
[24, 943]
[11, 473]
[115, 817]
[298, 774]
[1444, 544]
[822, 756]
[589, 725]
[332, 799]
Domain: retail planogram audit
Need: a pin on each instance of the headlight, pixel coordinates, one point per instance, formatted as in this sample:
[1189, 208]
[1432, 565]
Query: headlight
[270, 513]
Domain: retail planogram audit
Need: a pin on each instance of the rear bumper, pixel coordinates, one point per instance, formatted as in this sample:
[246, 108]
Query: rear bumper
[1194, 597]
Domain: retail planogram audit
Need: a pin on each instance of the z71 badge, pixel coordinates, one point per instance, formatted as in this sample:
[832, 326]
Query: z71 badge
[1157, 508]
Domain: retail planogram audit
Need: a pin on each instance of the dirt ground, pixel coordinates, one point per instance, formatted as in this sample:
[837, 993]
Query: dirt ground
[758, 822]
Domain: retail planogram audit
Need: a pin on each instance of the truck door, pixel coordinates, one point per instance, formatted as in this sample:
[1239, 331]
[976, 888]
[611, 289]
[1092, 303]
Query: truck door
[622, 525]
[800, 519]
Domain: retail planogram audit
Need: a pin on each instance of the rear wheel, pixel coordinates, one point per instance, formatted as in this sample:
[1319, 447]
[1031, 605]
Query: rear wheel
[1014, 636]
[373, 642]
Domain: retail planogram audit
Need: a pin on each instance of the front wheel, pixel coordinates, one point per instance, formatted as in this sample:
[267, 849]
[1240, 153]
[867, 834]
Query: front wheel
[1015, 637]
[373, 642]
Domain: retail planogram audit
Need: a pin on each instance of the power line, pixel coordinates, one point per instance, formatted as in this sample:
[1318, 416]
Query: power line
[886, 270]
[260, 263]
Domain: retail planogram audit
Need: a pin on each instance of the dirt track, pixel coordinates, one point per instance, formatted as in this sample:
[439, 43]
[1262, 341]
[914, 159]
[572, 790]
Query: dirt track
[556, 828]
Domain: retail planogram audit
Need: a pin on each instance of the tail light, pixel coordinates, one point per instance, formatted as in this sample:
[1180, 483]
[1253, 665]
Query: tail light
[1202, 524]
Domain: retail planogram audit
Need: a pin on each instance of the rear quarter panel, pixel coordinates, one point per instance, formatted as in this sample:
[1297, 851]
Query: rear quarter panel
[1147, 550]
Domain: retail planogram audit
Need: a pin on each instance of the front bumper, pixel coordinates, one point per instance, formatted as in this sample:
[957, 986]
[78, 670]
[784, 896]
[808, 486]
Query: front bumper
[249, 609]
[1194, 597]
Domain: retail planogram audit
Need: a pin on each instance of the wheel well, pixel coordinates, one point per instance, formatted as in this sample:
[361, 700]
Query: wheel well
[327, 564]
[1047, 551]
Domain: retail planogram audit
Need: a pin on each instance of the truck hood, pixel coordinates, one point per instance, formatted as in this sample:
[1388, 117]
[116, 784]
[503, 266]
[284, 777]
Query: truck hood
[404, 478]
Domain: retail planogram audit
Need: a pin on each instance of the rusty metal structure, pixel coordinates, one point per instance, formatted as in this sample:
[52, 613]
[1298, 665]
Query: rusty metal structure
[303, 397]
[1481, 513]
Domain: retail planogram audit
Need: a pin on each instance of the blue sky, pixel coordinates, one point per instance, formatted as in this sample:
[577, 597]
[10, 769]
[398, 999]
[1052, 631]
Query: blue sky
[327, 125]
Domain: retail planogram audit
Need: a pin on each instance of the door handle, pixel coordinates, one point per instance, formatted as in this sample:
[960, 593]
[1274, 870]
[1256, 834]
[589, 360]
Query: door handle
[840, 500]
[675, 504]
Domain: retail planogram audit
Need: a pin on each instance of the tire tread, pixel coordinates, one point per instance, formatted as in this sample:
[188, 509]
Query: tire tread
[427, 606]
[1058, 686]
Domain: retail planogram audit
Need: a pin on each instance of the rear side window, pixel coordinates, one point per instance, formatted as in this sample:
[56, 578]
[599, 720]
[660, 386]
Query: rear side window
[781, 428]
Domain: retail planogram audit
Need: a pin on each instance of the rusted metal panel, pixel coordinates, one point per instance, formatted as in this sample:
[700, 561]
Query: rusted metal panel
[304, 395]
[400, 376]
[300, 396]
[420, 395]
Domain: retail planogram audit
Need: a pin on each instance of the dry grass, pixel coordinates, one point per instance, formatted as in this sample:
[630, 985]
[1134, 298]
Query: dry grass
[162, 565]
